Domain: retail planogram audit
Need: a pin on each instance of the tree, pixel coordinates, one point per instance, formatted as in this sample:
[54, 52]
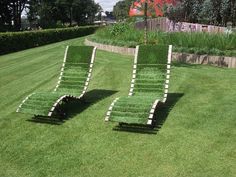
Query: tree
[84, 11]
[216, 12]
[120, 10]
[32, 12]
[52, 12]
[225, 11]
[48, 13]
[233, 12]
[11, 11]
[5, 15]
[16, 7]
[207, 12]
[64, 8]
[175, 13]
[109, 14]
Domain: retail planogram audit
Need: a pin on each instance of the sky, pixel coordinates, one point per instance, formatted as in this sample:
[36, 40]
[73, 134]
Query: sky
[107, 5]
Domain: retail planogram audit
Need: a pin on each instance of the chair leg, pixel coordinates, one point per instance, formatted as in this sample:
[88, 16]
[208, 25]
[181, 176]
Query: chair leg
[121, 124]
[60, 113]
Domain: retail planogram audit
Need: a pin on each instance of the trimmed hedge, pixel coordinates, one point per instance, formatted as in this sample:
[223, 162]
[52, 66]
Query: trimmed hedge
[16, 41]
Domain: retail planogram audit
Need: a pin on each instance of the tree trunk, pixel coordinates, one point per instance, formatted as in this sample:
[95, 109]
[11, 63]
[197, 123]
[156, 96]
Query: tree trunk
[233, 12]
[17, 9]
[18, 27]
[71, 16]
[145, 23]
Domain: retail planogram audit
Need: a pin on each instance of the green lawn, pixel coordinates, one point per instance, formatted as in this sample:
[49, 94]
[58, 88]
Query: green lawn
[197, 138]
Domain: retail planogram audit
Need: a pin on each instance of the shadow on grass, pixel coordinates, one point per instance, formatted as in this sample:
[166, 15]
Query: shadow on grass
[73, 107]
[160, 116]
[162, 113]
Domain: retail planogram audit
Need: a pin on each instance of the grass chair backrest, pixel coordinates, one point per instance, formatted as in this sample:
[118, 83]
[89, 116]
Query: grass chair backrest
[76, 70]
[152, 63]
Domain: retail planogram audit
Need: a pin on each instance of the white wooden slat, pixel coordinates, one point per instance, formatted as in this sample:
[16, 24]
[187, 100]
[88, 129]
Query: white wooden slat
[136, 55]
[93, 55]
[150, 116]
[107, 118]
[131, 90]
[110, 109]
[152, 111]
[149, 122]
[18, 109]
[62, 69]
[164, 100]
[170, 54]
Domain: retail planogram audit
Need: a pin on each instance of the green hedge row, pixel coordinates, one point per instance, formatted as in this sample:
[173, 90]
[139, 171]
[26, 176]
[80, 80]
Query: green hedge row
[16, 41]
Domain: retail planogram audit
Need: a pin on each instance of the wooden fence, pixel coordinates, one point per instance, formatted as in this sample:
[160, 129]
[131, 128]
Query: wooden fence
[164, 24]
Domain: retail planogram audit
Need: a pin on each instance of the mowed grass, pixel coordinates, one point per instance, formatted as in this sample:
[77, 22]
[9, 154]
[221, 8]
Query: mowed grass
[197, 136]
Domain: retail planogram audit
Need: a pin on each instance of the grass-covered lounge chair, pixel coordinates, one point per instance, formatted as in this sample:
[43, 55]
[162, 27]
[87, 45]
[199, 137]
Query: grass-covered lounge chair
[149, 87]
[73, 82]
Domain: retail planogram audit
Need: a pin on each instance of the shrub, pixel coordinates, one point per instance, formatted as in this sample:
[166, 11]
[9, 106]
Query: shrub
[16, 41]
[118, 28]
[198, 43]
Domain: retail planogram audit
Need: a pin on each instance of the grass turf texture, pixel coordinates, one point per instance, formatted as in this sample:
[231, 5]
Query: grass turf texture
[197, 43]
[149, 86]
[72, 82]
[197, 138]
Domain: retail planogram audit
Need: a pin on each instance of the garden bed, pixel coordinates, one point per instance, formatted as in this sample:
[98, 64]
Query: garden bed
[126, 35]
[221, 61]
